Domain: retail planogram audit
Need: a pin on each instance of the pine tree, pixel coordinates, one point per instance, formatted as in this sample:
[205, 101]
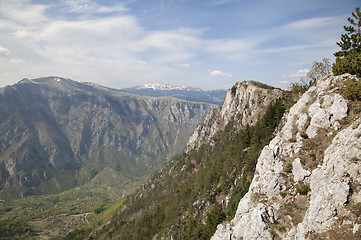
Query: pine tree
[351, 41]
[348, 60]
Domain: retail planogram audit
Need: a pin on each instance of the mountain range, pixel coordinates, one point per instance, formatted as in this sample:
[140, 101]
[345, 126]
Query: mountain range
[58, 133]
[188, 93]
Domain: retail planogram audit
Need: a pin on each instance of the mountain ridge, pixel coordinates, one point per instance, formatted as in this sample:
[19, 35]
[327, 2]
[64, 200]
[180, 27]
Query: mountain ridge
[59, 124]
[158, 86]
[183, 92]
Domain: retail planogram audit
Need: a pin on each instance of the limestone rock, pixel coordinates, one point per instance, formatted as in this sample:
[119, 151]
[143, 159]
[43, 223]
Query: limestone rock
[330, 183]
[299, 174]
[247, 100]
[325, 112]
[268, 171]
[223, 232]
[320, 107]
[355, 228]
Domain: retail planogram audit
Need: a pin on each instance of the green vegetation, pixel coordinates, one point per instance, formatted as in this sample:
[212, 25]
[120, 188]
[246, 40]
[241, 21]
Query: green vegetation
[319, 69]
[348, 59]
[103, 218]
[195, 192]
[54, 215]
[351, 89]
[13, 228]
[303, 189]
[351, 63]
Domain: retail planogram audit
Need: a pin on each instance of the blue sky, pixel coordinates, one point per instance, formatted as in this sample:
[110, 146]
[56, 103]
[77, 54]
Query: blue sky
[206, 44]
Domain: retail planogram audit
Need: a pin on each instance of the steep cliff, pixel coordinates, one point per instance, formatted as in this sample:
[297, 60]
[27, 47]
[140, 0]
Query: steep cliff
[307, 179]
[60, 132]
[245, 102]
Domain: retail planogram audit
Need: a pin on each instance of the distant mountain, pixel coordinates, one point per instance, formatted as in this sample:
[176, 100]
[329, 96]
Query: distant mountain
[164, 87]
[57, 133]
[188, 93]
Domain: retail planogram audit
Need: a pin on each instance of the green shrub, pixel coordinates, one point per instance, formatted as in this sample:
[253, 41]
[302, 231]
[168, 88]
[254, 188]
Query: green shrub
[214, 217]
[283, 194]
[298, 88]
[352, 89]
[319, 69]
[12, 228]
[304, 135]
[288, 168]
[99, 209]
[351, 63]
[303, 189]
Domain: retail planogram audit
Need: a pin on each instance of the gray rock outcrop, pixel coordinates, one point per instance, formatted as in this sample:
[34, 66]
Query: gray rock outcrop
[316, 114]
[247, 100]
[299, 174]
[331, 182]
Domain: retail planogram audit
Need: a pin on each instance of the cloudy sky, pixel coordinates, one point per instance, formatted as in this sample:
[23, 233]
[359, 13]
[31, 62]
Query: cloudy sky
[200, 43]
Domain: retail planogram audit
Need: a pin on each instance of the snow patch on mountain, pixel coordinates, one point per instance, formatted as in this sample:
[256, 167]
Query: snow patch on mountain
[168, 87]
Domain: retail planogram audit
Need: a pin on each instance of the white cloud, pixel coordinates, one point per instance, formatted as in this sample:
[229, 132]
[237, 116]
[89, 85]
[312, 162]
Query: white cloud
[228, 45]
[313, 23]
[79, 6]
[182, 65]
[220, 2]
[300, 73]
[4, 51]
[284, 82]
[17, 60]
[219, 73]
[89, 7]
[22, 12]
[93, 46]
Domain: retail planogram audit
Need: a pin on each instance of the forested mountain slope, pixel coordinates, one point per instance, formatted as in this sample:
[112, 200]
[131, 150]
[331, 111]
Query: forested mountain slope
[201, 188]
[293, 175]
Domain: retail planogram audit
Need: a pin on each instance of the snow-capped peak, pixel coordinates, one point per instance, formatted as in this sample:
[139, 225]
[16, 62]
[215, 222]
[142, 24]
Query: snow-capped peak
[167, 87]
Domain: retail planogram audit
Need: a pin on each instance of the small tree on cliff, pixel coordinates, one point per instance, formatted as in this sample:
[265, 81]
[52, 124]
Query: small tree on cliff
[321, 68]
[348, 59]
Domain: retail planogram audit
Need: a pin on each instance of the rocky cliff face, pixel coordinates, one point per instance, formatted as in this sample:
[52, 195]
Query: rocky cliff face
[245, 101]
[307, 179]
[53, 124]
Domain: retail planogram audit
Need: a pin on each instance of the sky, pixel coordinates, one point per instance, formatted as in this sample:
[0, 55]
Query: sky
[208, 44]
